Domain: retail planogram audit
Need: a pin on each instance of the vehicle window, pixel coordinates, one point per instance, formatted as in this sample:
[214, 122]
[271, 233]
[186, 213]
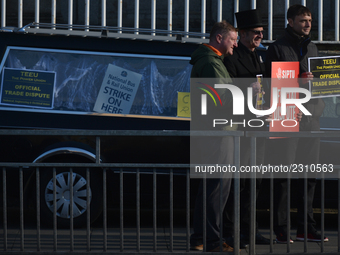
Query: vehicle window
[80, 82]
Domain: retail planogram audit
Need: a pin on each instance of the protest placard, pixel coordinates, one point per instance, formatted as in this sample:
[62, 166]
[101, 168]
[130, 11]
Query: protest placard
[284, 74]
[27, 88]
[117, 91]
[326, 71]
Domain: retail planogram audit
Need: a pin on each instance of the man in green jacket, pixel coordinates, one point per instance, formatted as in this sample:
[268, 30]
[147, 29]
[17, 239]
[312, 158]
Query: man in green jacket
[207, 62]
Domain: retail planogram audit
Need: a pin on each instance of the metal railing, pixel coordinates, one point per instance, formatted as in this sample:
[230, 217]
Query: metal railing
[209, 12]
[136, 239]
[54, 236]
[253, 135]
[49, 239]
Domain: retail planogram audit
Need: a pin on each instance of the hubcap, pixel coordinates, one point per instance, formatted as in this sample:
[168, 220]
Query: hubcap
[63, 195]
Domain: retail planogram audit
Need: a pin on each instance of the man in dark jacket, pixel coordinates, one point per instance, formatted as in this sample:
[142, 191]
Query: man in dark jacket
[244, 65]
[207, 62]
[295, 45]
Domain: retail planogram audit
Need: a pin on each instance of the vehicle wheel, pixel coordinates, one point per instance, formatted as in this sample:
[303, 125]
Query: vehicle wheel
[63, 197]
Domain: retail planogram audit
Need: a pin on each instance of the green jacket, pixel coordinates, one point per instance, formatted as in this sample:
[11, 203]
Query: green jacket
[207, 64]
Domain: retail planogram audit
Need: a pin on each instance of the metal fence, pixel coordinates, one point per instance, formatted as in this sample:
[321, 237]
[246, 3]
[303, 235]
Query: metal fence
[209, 12]
[120, 239]
[306, 246]
[19, 238]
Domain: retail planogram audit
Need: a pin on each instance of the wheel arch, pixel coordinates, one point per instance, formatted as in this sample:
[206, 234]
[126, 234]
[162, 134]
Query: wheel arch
[69, 148]
[65, 150]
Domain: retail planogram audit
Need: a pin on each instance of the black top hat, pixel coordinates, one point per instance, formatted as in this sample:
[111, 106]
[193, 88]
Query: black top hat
[249, 19]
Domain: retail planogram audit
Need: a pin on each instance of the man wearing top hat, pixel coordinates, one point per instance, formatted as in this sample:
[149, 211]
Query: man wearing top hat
[246, 63]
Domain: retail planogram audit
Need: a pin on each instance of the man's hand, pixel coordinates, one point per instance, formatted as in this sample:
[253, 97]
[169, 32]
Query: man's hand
[306, 77]
[256, 88]
[299, 116]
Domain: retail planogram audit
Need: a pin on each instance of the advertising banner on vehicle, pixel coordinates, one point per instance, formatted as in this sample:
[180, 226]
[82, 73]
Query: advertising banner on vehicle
[284, 74]
[117, 91]
[27, 88]
[326, 71]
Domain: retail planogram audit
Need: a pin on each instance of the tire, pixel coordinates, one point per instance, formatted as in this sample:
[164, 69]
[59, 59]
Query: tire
[63, 197]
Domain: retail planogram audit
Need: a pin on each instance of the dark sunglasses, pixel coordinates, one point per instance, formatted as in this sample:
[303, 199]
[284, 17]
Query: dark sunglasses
[257, 32]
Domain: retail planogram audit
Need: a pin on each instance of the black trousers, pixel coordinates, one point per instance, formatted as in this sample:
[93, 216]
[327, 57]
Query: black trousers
[280, 205]
[299, 151]
[245, 191]
[225, 155]
[213, 212]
